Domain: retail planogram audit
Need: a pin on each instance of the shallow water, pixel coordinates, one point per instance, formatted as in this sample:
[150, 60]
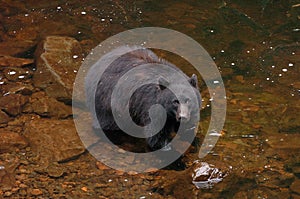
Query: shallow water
[255, 45]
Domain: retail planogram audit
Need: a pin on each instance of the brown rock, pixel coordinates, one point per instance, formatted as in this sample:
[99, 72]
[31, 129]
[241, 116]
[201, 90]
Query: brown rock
[8, 61]
[240, 78]
[289, 120]
[27, 33]
[295, 186]
[85, 189]
[36, 192]
[49, 27]
[58, 60]
[177, 9]
[19, 87]
[9, 141]
[285, 141]
[7, 193]
[7, 179]
[4, 118]
[46, 106]
[101, 166]
[13, 103]
[55, 170]
[54, 140]
[87, 46]
[241, 194]
[275, 178]
[296, 85]
[7, 174]
[190, 26]
[227, 71]
[17, 74]
[16, 88]
[294, 196]
[11, 8]
[16, 47]
[296, 171]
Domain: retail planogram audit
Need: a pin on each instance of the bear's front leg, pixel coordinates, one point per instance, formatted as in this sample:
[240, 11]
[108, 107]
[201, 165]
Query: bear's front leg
[157, 141]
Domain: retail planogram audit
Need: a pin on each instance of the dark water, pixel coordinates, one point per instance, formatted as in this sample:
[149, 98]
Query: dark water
[255, 45]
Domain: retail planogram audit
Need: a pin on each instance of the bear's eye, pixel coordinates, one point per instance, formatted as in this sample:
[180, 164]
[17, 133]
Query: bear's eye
[175, 102]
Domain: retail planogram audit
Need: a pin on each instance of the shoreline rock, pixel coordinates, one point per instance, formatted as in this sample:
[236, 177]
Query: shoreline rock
[57, 60]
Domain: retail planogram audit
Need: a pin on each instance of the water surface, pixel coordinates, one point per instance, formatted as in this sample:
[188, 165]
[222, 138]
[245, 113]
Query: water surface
[255, 45]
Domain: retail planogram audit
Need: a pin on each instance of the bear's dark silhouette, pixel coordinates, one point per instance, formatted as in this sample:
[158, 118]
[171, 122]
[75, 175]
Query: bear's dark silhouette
[179, 107]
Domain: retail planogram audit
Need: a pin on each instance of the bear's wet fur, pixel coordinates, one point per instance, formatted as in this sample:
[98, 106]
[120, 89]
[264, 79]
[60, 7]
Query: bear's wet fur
[141, 100]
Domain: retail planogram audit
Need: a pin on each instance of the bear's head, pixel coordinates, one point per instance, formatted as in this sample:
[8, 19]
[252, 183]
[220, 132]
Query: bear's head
[182, 105]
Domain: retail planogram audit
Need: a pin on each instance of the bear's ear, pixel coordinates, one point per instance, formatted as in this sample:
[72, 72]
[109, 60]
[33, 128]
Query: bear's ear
[163, 83]
[194, 81]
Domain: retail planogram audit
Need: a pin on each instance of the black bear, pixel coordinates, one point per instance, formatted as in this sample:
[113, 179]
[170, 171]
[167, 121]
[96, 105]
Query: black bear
[180, 108]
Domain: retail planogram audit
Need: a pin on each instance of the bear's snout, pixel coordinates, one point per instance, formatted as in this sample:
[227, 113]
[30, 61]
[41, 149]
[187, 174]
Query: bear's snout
[183, 113]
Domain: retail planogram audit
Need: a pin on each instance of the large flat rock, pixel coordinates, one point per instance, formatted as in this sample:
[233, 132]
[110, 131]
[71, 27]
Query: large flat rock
[53, 140]
[58, 60]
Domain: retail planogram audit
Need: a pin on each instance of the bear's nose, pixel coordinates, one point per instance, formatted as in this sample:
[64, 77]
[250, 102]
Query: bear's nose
[183, 113]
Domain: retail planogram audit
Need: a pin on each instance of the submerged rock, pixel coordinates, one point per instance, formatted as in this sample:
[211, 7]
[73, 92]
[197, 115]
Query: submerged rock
[22, 88]
[13, 104]
[7, 179]
[17, 74]
[8, 61]
[296, 170]
[53, 140]
[295, 186]
[286, 141]
[58, 60]
[43, 105]
[9, 141]
[19, 87]
[4, 118]
[16, 47]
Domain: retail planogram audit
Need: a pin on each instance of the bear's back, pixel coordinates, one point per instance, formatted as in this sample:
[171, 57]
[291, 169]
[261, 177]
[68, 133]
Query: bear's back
[101, 87]
[133, 59]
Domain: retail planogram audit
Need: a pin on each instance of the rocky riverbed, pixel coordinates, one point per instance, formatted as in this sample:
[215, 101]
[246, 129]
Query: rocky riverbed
[42, 47]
